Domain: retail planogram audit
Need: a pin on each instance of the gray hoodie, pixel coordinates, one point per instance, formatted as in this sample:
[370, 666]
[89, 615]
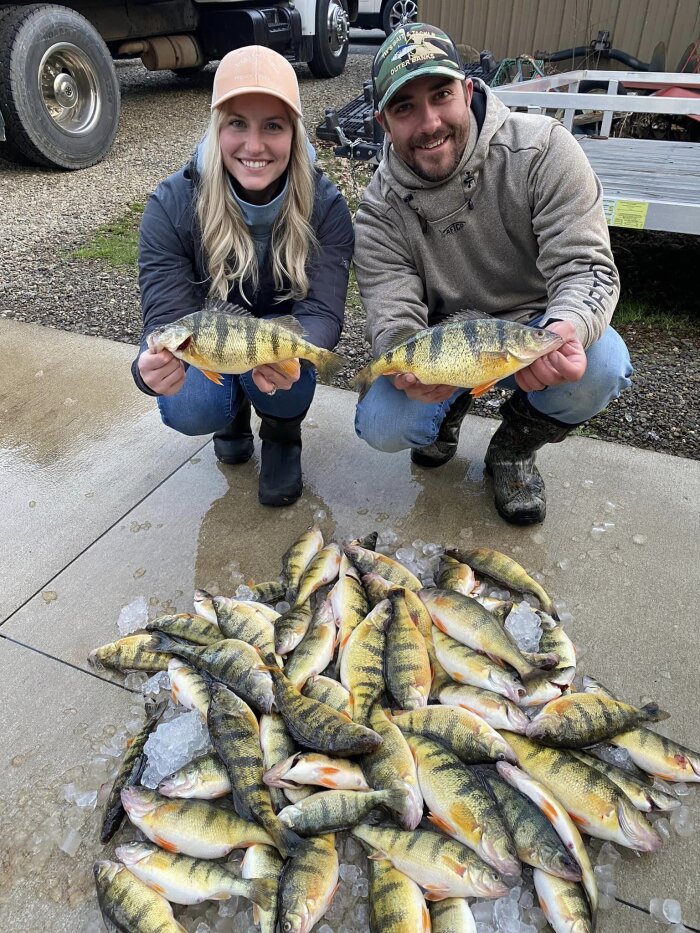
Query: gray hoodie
[516, 231]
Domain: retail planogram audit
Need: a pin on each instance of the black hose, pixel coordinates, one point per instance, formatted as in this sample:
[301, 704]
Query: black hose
[582, 51]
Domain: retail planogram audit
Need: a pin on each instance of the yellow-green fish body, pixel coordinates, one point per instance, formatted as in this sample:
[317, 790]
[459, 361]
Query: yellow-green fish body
[453, 915]
[235, 735]
[315, 769]
[467, 735]
[366, 561]
[193, 827]
[263, 862]
[496, 710]
[321, 570]
[133, 653]
[185, 880]
[308, 884]
[462, 352]
[593, 802]
[396, 904]
[291, 627]
[350, 604]
[442, 867]
[460, 805]
[187, 686]
[505, 570]
[466, 666]
[244, 622]
[330, 692]
[129, 904]
[362, 664]
[644, 797]
[298, 557]
[466, 621]
[314, 652]
[563, 903]
[277, 746]
[454, 575]
[581, 719]
[269, 591]
[330, 811]
[406, 662]
[193, 628]
[205, 778]
[392, 765]
[224, 338]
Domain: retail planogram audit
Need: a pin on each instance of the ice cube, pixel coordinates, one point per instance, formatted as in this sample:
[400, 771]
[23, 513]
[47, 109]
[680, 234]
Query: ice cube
[135, 680]
[71, 842]
[605, 901]
[433, 550]
[406, 555]
[524, 626]
[507, 915]
[349, 873]
[133, 616]
[682, 821]
[245, 592]
[159, 681]
[682, 790]
[359, 889]
[482, 911]
[604, 873]
[672, 911]
[656, 910]
[526, 900]
[173, 744]
[608, 855]
[282, 607]
[325, 929]
[663, 827]
[639, 539]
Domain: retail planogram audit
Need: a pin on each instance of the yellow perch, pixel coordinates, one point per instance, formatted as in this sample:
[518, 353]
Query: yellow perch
[396, 903]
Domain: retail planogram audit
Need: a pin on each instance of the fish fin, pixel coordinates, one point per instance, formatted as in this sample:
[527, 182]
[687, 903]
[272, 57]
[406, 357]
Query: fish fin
[579, 820]
[219, 306]
[435, 892]
[289, 367]
[256, 914]
[328, 363]
[290, 323]
[362, 381]
[440, 823]
[333, 893]
[425, 919]
[654, 714]
[218, 896]
[158, 888]
[216, 378]
[328, 769]
[469, 314]
[397, 335]
[456, 866]
[478, 391]
[166, 844]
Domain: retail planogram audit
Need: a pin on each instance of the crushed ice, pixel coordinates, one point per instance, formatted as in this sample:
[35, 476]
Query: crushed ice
[133, 616]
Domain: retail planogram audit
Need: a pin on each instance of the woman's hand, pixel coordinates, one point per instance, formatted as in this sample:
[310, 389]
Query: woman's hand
[565, 364]
[162, 372]
[270, 377]
[418, 391]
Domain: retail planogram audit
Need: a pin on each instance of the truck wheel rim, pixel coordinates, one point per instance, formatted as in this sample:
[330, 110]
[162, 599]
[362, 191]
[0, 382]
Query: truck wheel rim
[403, 11]
[69, 89]
[338, 27]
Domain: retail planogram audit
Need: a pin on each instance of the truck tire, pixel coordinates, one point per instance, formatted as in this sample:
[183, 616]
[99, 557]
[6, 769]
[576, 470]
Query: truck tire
[396, 12]
[332, 39]
[59, 93]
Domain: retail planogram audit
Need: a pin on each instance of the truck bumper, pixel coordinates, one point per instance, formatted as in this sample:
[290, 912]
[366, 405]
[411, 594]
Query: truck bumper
[221, 31]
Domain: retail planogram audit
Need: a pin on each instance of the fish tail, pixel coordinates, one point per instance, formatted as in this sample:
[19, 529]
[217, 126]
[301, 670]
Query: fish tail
[328, 363]
[262, 892]
[160, 642]
[363, 380]
[285, 839]
[652, 713]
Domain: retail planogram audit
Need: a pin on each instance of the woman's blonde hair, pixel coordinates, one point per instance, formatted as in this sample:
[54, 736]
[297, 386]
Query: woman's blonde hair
[228, 246]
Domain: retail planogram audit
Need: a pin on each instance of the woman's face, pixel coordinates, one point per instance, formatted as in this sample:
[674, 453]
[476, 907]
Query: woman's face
[256, 143]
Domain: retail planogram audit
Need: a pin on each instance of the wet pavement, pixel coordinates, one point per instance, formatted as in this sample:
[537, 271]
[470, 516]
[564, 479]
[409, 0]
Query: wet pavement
[104, 505]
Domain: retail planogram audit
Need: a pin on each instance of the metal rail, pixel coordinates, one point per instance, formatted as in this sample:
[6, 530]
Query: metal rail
[647, 184]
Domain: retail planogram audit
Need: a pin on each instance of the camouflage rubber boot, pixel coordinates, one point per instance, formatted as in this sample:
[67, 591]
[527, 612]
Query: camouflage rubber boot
[444, 447]
[510, 460]
[235, 444]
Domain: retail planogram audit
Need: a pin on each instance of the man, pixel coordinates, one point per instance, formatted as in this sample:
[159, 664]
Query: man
[475, 207]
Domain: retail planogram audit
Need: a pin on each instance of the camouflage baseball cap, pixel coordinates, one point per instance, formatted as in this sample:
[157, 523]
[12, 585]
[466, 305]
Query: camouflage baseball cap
[410, 52]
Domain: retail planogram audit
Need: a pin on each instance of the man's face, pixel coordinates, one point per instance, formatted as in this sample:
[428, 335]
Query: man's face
[427, 121]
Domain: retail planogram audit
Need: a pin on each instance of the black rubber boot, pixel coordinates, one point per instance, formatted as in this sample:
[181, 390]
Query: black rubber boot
[280, 463]
[444, 447]
[510, 460]
[235, 444]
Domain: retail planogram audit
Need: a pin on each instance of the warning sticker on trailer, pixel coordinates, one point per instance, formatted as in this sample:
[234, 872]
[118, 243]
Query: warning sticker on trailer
[631, 214]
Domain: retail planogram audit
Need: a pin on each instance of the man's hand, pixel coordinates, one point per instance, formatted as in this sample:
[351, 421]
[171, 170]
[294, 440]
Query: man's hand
[565, 364]
[162, 372]
[270, 377]
[420, 392]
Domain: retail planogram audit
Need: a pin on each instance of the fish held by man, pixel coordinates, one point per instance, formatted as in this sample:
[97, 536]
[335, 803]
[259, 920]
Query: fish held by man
[467, 352]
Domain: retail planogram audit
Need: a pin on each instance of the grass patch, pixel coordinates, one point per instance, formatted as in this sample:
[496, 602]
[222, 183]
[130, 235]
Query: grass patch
[636, 311]
[115, 243]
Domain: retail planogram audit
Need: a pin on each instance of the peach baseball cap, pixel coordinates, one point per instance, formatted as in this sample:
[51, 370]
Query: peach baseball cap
[255, 69]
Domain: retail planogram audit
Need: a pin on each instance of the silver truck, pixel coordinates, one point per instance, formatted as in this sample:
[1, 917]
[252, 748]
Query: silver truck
[59, 94]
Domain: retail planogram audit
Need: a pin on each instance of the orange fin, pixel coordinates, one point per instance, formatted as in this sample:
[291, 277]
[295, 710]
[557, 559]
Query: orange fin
[478, 391]
[329, 769]
[165, 844]
[435, 892]
[440, 823]
[289, 367]
[216, 378]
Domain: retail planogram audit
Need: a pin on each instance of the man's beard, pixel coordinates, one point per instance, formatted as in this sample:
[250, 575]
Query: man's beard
[459, 135]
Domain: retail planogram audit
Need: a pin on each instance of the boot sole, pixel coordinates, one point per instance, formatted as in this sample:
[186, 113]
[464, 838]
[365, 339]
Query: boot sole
[233, 459]
[430, 463]
[279, 502]
[524, 518]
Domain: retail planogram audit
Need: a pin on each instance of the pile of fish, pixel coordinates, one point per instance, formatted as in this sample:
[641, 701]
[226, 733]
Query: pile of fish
[401, 711]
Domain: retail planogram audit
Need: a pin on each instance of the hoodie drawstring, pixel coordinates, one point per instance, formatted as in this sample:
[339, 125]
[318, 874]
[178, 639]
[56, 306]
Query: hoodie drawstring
[468, 181]
[408, 201]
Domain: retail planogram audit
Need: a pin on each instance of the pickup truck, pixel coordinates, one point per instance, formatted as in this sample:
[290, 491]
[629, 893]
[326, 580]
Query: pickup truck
[59, 94]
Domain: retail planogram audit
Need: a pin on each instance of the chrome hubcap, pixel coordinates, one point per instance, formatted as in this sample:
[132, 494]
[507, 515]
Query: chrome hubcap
[69, 88]
[402, 12]
[338, 27]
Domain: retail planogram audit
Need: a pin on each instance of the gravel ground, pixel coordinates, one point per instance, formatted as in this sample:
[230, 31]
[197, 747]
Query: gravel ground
[47, 214]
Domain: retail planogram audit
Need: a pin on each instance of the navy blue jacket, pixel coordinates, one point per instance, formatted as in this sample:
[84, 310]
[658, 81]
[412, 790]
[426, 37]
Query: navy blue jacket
[173, 277]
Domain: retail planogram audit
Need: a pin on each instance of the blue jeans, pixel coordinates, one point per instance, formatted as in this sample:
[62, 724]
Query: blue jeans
[388, 420]
[202, 407]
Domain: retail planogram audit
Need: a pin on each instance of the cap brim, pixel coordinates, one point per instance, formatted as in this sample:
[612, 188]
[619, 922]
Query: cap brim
[255, 90]
[420, 72]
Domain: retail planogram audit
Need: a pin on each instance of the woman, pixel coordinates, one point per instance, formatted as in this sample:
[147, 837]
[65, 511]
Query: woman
[252, 221]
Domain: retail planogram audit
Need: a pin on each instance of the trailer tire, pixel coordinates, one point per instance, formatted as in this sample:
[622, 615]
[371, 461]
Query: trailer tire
[59, 92]
[331, 40]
